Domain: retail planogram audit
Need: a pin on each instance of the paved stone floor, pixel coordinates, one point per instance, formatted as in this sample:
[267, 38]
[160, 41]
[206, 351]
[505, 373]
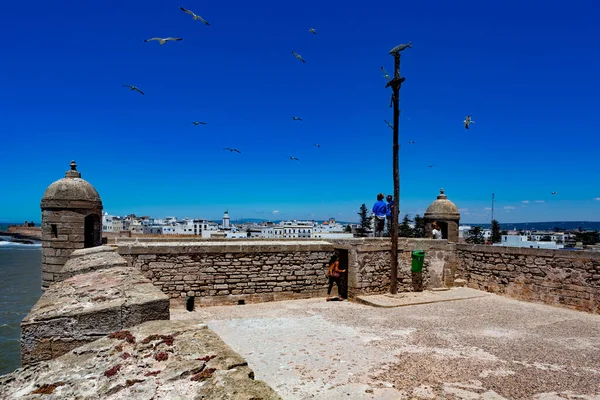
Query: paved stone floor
[479, 348]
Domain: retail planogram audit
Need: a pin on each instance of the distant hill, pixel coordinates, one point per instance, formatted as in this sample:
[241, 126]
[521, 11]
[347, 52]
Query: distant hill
[546, 226]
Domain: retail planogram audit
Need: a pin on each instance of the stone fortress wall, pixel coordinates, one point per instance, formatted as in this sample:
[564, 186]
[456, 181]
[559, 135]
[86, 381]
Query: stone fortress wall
[225, 272]
[266, 270]
[556, 277]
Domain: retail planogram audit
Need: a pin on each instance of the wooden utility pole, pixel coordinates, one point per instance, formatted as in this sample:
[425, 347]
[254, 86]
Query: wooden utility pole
[395, 84]
[492, 207]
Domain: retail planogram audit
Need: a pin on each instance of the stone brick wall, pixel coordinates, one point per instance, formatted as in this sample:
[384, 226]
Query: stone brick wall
[59, 242]
[557, 277]
[369, 260]
[227, 272]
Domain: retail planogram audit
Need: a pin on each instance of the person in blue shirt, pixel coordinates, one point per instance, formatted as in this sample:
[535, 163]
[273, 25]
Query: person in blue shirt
[388, 212]
[380, 211]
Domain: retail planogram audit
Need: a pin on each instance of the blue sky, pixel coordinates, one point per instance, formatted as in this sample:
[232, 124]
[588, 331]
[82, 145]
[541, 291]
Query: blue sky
[526, 71]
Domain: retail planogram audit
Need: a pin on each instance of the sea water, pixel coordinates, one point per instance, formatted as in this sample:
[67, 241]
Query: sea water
[20, 289]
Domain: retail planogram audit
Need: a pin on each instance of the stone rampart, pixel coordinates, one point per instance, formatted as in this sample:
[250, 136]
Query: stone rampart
[369, 265]
[226, 272]
[557, 277]
[100, 294]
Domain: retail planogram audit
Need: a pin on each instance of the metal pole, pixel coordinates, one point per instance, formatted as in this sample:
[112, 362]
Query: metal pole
[396, 162]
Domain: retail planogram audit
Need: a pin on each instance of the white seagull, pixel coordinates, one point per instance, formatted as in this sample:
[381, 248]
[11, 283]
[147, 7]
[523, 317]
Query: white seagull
[411, 142]
[317, 145]
[385, 74]
[296, 119]
[313, 31]
[133, 88]
[294, 158]
[196, 17]
[468, 121]
[298, 56]
[198, 123]
[232, 149]
[554, 192]
[163, 40]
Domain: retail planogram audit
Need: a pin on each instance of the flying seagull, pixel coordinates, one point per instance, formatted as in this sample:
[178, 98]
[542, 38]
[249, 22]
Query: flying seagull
[164, 40]
[296, 118]
[385, 74]
[196, 17]
[298, 56]
[133, 88]
[388, 124]
[468, 121]
[554, 192]
[411, 142]
[294, 158]
[198, 123]
[232, 149]
[400, 47]
[317, 145]
[431, 166]
[313, 31]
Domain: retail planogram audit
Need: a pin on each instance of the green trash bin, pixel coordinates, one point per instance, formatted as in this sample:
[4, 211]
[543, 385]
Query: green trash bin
[418, 257]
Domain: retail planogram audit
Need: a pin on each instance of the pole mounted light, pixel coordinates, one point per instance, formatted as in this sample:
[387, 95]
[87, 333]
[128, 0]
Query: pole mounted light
[395, 84]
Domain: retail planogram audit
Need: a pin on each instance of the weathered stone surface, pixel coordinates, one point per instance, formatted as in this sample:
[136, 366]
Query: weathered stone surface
[154, 360]
[88, 260]
[556, 277]
[229, 271]
[87, 306]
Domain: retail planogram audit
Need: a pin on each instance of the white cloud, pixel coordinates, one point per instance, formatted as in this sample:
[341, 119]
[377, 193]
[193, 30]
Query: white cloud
[525, 202]
[540, 201]
[597, 199]
[275, 211]
[509, 208]
[463, 209]
[487, 208]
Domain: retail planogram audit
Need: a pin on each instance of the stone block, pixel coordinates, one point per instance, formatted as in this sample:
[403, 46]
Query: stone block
[87, 306]
[82, 373]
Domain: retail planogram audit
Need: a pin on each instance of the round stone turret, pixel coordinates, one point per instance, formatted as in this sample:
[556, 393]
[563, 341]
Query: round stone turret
[445, 213]
[71, 220]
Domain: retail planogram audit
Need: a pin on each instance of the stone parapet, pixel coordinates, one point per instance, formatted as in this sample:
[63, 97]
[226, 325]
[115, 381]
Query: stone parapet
[87, 260]
[87, 306]
[226, 272]
[556, 277]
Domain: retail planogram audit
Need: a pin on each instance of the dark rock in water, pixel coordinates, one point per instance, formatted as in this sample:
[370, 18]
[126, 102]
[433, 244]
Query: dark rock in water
[22, 241]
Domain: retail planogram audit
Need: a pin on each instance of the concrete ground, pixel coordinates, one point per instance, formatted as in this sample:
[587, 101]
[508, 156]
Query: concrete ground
[479, 348]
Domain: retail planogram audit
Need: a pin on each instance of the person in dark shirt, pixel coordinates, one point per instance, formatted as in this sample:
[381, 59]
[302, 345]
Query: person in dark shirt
[334, 275]
[388, 212]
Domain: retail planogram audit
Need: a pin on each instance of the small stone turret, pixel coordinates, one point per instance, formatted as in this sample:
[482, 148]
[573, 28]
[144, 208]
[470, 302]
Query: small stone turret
[71, 220]
[446, 214]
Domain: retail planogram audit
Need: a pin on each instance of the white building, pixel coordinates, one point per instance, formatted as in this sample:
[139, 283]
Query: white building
[297, 229]
[107, 222]
[521, 241]
[226, 220]
[332, 235]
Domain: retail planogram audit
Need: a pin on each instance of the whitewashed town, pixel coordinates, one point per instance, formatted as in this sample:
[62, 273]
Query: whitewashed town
[132, 225]
[207, 229]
